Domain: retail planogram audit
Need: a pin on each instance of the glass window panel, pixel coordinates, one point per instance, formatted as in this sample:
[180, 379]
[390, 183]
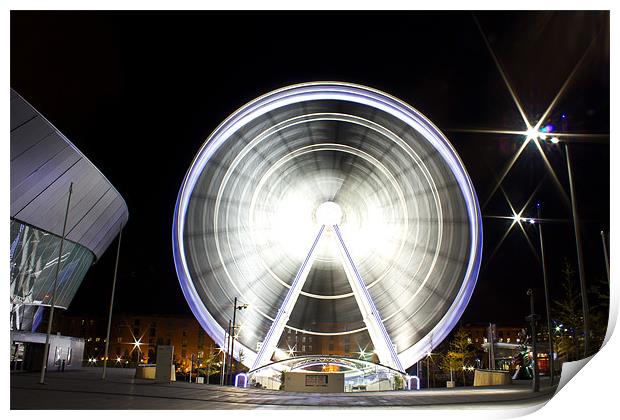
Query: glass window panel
[33, 261]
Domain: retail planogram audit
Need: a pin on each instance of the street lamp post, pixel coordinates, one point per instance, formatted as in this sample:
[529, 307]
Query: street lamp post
[532, 319]
[605, 253]
[226, 353]
[222, 367]
[232, 338]
[544, 272]
[53, 299]
[428, 371]
[107, 337]
[582, 275]
[191, 366]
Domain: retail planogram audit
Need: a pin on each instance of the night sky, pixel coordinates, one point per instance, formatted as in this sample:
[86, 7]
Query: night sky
[139, 92]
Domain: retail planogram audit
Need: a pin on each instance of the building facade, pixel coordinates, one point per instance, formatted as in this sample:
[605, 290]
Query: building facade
[64, 215]
[134, 338]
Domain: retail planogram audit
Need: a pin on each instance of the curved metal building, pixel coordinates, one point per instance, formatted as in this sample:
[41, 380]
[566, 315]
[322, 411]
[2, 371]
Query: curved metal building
[43, 165]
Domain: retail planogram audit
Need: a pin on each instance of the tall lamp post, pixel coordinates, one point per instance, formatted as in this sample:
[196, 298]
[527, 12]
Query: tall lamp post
[226, 353]
[232, 338]
[582, 275]
[107, 336]
[605, 252]
[428, 370]
[544, 272]
[532, 319]
[53, 300]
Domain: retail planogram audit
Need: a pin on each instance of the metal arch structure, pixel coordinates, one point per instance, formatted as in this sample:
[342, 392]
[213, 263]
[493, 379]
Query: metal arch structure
[402, 264]
[360, 371]
[301, 362]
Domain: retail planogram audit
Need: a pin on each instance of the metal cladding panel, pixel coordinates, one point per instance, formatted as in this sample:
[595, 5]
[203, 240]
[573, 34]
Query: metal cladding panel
[42, 157]
[29, 136]
[105, 223]
[111, 225]
[43, 164]
[21, 112]
[26, 189]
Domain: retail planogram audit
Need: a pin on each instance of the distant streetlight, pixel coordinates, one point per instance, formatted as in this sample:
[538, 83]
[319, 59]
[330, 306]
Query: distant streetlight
[363, 353]
[429, 358]
[291, 351]
[136, 345]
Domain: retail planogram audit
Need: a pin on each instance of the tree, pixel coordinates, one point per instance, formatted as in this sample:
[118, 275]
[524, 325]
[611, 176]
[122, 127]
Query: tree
[213, 363]
[460, 352]
[450, 361]
[568, 312]
[598, 295]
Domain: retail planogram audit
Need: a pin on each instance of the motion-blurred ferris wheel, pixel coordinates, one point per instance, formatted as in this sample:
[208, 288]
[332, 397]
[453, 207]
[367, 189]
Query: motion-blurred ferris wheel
[331, 209]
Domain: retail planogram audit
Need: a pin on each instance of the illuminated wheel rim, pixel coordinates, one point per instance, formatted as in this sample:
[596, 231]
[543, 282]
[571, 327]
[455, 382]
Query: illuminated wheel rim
[257, 189]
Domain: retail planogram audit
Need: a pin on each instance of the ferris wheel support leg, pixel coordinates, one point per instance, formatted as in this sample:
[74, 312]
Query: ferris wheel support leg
[378, 334]
[277, 327]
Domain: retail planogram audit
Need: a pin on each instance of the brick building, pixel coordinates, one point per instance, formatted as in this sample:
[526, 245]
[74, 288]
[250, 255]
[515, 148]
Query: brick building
[134, 337]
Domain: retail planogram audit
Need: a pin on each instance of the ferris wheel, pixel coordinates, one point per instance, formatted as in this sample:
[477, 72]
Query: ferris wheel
[332, 210]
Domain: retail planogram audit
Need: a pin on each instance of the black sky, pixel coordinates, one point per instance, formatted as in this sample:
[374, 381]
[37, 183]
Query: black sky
[139, 92]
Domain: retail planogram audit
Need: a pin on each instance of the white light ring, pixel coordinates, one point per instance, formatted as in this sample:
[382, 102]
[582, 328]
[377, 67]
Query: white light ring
[350, 93]
[285, 124]
[336, 117]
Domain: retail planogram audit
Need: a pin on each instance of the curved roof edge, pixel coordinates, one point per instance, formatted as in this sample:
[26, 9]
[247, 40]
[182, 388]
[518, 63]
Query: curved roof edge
[43, 164]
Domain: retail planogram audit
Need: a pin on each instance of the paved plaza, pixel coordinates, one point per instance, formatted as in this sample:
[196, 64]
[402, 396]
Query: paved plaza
[84, 389]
